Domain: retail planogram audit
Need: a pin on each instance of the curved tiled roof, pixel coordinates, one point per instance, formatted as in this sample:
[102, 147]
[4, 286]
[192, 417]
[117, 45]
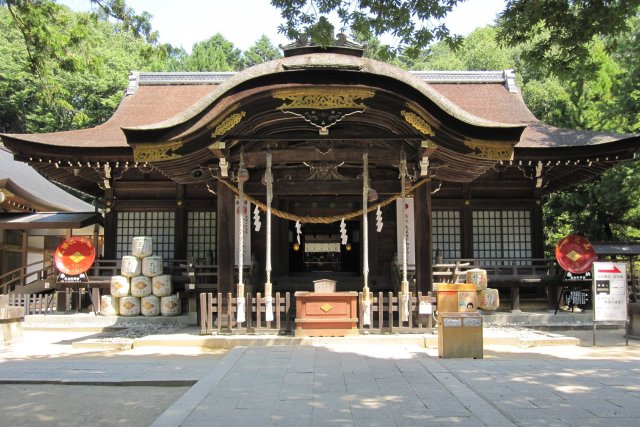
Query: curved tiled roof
[163, 100]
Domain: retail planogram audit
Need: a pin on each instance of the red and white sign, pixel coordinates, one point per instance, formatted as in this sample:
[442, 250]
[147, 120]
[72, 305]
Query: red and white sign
[74, 256]
[609, 291]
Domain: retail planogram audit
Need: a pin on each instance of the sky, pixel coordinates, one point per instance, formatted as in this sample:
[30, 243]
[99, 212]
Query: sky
[243, 22]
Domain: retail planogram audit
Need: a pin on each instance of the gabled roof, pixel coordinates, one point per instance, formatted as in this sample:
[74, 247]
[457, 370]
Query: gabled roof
[26, 190]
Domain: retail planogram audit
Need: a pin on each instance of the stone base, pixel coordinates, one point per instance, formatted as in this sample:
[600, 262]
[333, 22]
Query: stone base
[10, 330]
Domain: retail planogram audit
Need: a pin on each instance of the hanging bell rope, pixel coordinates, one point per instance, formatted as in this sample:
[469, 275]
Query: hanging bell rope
[325, 219]
[365, 222]
[269, 182]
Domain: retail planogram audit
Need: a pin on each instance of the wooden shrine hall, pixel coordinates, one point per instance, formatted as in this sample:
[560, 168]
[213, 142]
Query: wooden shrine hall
[336, 165]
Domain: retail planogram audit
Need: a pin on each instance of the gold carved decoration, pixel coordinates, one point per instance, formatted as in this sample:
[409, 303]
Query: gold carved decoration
[417, 122]
[490, 150]
[228, 123]
[144, 153]
[323, 98]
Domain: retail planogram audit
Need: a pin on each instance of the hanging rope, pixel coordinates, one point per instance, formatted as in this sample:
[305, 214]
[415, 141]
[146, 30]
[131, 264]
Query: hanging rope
[241, 227]
[365, 224]
[403, 196]
[269, 179]
[326, 219]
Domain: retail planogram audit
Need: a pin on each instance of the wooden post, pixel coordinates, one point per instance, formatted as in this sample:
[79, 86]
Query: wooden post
[423, 240]
[225, 239]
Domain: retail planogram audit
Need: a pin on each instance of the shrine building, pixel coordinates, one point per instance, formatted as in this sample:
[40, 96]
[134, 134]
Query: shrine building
[447, 164]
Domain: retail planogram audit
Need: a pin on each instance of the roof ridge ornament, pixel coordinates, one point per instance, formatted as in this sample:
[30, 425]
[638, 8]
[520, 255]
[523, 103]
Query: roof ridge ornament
[340, 44]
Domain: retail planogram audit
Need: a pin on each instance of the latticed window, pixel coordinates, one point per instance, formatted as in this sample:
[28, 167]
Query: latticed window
[445, 231]
[502, 234]
[201, 236]
[159, 226]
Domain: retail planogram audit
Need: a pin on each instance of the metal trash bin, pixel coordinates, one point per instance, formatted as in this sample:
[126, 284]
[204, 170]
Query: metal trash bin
[460, 335]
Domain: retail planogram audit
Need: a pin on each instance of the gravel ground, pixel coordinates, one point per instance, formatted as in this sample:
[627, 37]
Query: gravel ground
[23, 405]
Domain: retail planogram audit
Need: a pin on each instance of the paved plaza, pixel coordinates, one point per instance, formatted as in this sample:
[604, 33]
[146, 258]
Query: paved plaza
[332, 382]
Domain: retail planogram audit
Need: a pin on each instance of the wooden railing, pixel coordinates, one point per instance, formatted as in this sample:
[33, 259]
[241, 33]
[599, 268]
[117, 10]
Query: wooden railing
[14, 279]
[500, 269]
[218, 314]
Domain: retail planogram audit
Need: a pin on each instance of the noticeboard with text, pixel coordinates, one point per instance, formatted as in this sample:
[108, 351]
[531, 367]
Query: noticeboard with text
[609, 291]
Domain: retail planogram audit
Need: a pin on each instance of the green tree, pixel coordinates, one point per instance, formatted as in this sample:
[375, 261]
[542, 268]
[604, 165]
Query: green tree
[478, 51]
[261, 51]
[415, 23]
[559, 32]
[214, 54]
[85, 93]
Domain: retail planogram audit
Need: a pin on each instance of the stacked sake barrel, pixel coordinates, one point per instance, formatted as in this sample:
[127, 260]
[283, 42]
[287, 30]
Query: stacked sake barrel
[488, 299]
[141, 288]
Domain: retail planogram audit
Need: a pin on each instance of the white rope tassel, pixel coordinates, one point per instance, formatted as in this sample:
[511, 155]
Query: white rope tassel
[268, 308]
[366, 315]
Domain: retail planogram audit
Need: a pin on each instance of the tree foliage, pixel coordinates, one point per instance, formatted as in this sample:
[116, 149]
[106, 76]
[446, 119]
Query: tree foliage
[559, 32]
[261, 51]
[80, 89]
[415, 23]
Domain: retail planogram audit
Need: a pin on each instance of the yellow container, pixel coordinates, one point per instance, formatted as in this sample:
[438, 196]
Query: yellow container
[456, 298]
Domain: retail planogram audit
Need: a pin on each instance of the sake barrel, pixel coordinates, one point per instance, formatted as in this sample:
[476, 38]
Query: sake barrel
[152, 266]
[489, 299]
[119, 286]
[170, 305]
[130, 266]
[478, 277]
[141, 246]
[129, 306]
[140, 286]
[161, 285]
[150, 306]
[109, 305]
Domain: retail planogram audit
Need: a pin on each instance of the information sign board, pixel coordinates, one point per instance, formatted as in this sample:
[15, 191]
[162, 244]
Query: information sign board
[609, 291]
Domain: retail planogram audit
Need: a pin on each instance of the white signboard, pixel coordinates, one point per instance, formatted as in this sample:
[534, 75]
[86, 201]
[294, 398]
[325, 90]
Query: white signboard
[246, 230]
[407, 211]
[609, 291]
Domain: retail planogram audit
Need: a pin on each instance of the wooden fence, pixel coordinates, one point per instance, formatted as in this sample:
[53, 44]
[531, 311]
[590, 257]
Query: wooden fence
[219, 314]
[34, 303]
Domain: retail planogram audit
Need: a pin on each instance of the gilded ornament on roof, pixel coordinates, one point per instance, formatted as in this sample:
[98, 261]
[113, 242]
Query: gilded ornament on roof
[490, 150]
[228, 123]
[418, 123]
[323, 98]
[145, 153]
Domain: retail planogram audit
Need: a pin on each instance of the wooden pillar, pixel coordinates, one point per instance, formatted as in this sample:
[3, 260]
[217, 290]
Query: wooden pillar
[466, 219]
[110, 226]
[537, 229]
[423, 240]
[180, 231]
[226, 238]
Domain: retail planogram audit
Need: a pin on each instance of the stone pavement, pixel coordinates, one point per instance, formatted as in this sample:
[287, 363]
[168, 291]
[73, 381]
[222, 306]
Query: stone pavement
[355, 385]
[350, 382]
